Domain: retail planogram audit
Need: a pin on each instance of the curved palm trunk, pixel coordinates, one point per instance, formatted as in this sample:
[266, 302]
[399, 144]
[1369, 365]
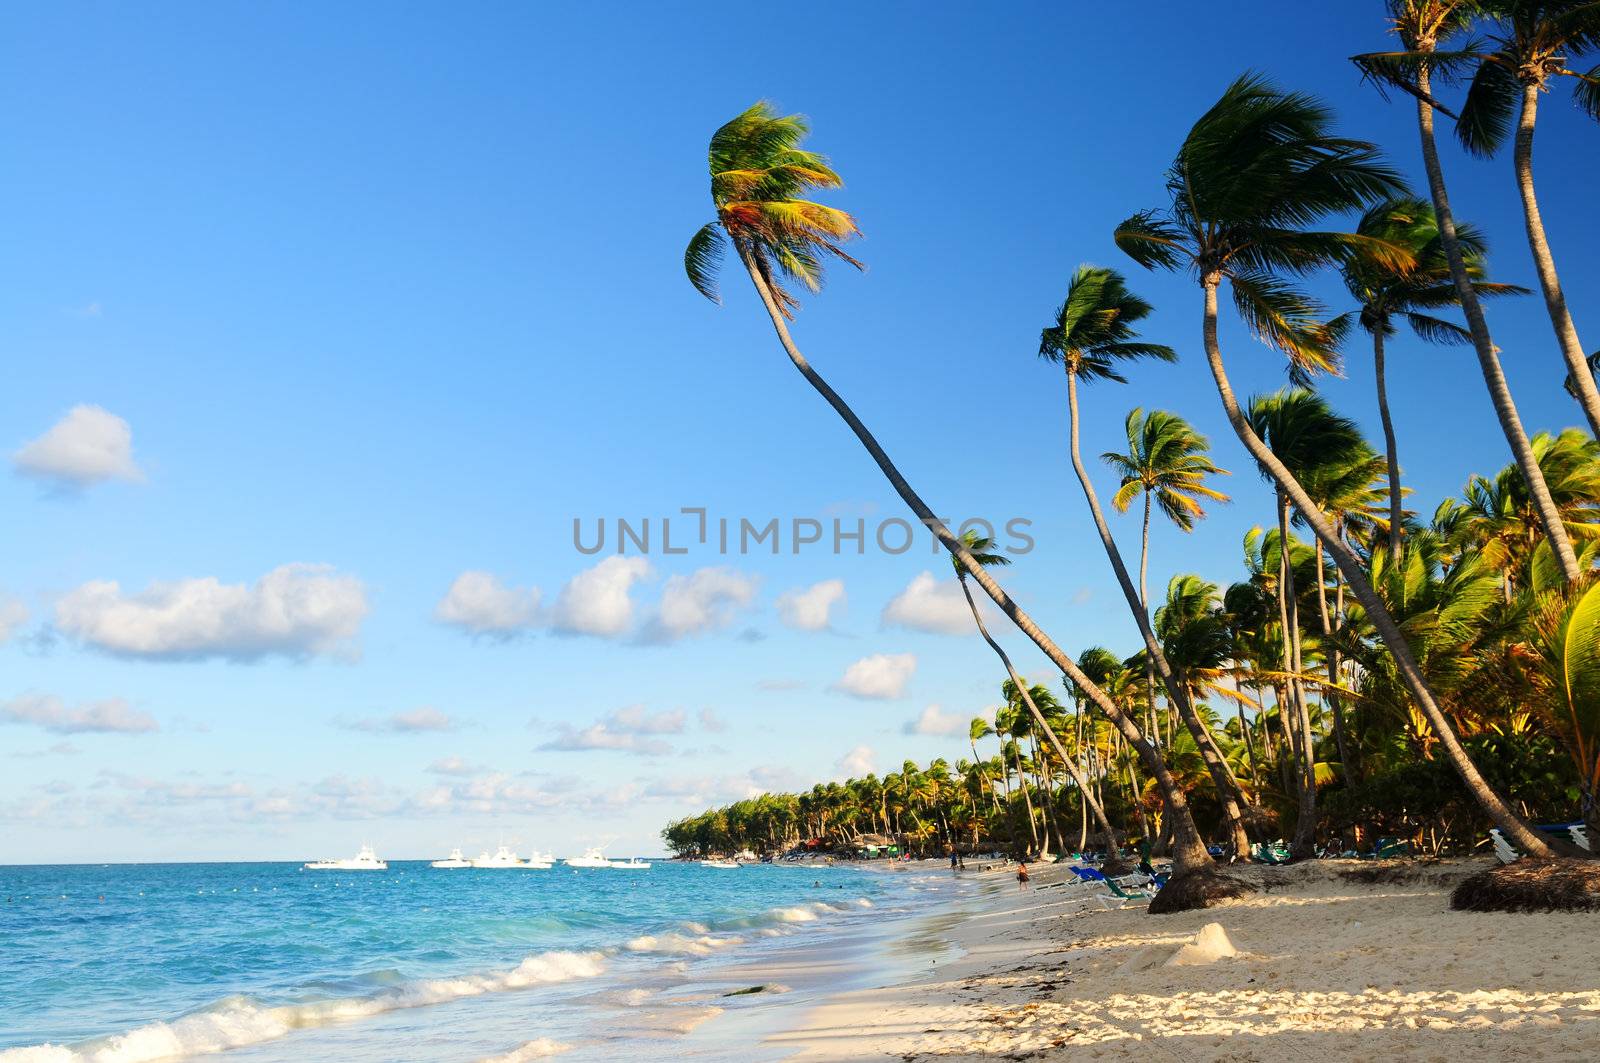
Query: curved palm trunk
[1555, 303]
[1390, 451]
[1027, 798]
[1228, 794]
[1488, 360]
[1113, 844]
[1189, 854]
[1511, 825]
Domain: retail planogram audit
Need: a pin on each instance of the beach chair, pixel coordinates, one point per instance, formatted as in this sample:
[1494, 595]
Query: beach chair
[1118, 897]
[1502, 848]
[1580, 836]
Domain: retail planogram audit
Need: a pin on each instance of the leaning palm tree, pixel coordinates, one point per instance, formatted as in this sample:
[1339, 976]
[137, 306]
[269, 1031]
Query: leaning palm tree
[1093, 335]
[1532, 42]
[981, 549]
[1423, 25]
[1255, 169]
[758, 172]
[1165, 465]
[1408, 291]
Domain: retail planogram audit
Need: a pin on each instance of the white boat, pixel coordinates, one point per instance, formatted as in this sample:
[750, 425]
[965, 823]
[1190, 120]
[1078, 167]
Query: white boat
[590, 858]
[540, 861]
[721, 863]
[504, 858]
[365, 860]
[633, 864]
[455, 859]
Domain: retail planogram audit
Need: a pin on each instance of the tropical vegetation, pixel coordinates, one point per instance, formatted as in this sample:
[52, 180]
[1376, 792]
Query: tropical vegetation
[1384, 666]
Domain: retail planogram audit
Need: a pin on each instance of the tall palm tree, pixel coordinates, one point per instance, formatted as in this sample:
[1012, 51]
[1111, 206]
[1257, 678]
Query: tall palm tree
[758, 172]
[981, 550]
[1423, 25]
[1312, 442]
[1092, 336]
[1533, 42]
[1258, 166]
[1166, 465]
[1386, 291]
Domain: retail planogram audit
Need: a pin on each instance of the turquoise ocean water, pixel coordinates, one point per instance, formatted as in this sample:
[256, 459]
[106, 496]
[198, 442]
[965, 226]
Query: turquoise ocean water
[268, 962]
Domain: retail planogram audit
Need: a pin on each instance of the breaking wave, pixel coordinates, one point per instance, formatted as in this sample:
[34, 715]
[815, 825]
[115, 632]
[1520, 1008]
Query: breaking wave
[237, 1021]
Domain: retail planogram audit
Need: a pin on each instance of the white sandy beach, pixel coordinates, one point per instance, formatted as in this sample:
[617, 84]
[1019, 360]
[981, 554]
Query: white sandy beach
[1326, 968]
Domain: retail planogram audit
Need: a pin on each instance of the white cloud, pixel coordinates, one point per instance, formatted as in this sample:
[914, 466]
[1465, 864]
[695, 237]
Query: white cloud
[710, 721]
[883, 676]
[87, 446]
[935, 721]
[811, 609]
[425, 718]
[597, 600]
[479, 603]
[695, 604]
[112, 715]
[452, 766]
[630, 729]
[633, 719]
[858, 762]
[296, 610]
[569, 739]
[13, 614]
[930, 605]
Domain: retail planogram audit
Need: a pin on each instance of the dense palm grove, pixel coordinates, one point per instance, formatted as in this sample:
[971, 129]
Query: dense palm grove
[1385, 666]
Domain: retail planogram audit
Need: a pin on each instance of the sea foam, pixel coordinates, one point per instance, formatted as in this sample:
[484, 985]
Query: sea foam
[234, 1022]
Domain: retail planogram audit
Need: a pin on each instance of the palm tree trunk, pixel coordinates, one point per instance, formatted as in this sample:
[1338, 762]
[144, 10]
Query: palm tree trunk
[1330, 654]
[1390, 451]
[1190, 852]
[1488, 360]
[1228, 795]
[1078, 779]
[1518, 832]
[1544, 263]
[1144, 604]
[1303, 844]
[1027, 798]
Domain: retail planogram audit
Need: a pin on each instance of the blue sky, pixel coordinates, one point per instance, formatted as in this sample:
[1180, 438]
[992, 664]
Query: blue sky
[383, 298]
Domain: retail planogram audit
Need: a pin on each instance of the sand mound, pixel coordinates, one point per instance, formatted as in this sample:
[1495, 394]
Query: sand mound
[1208, 946]
[1532, 886]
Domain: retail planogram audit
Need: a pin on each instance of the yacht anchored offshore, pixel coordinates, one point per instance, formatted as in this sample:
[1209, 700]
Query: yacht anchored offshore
[590, 858]
[365, 860]
[632, 864]
[504, 857]
[455, 859]
[540, 861]
[721, 863]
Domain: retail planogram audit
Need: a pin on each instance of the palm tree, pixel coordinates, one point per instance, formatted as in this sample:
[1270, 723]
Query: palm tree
[981, 550]
[1533, 42]
[1092, 335]
[1385, 292]
[1422, 26]
[1165, 464]
[758, 171]
[1254, 169]
[1312, 442]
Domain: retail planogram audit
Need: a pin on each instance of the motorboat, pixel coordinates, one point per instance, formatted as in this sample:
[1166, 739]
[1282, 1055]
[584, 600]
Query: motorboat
[455, 859]
[504, 858]
[590, 858]
[540, 861]
[730, 864]
[365, 860]
[632, 864]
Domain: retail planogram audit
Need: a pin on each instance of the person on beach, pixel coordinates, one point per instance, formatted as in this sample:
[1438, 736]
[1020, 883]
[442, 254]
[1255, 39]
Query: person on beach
[1022, 876]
